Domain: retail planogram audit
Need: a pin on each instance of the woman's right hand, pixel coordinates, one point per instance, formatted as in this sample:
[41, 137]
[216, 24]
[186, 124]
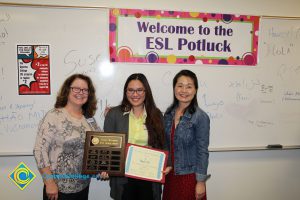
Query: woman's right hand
[51, 190]
[104, 176]
[107, 109]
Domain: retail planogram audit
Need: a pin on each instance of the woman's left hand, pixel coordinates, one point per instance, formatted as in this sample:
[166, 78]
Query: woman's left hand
[200, 190]
[167, 170]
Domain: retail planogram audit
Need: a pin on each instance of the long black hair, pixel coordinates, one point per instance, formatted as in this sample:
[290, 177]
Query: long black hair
[154, 121]
[194, 103]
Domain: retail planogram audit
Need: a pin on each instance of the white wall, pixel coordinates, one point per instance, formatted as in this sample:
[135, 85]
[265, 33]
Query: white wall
[254, 7]
[244, 175]
[259, 175]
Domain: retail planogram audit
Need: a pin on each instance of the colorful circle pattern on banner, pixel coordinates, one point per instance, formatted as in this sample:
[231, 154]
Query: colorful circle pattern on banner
[125, 54]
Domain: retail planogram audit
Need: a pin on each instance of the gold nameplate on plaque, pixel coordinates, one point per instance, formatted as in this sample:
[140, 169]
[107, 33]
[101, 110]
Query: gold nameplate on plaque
[104, 152]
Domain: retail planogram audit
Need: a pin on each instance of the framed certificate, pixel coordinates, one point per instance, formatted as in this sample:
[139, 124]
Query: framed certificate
[145, 163]
[104, 152]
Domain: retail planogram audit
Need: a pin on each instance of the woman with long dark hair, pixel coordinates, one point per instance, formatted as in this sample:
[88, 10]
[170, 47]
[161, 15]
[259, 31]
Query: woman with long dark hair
[187, 137]
[142, 121]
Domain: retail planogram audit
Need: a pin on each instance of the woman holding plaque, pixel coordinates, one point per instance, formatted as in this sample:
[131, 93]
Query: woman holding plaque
[187, 137]
[142, 121]
[60, 140]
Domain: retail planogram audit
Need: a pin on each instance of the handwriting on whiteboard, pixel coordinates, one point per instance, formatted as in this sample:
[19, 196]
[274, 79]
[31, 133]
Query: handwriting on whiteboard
[291, 96]
[245, 84]
[292, 33]
[288, 37]
[81, 62]
[213, 104]
[261, 123]
[278, 50]
[288, 72]
[3, 35]
[4, 19]
[16, 117]
[2, 73]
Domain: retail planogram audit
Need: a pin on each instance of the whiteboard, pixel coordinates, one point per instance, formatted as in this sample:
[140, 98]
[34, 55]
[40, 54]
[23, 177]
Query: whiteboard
[248, 106]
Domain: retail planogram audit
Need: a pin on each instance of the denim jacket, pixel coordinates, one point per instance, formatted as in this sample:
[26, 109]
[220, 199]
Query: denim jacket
[191, 142]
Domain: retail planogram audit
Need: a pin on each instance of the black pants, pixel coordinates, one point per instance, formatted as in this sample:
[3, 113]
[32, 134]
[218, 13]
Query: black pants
[137, 189]
[82, 195]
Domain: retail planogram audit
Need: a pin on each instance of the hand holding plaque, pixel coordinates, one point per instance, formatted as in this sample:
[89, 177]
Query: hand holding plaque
[104, 152]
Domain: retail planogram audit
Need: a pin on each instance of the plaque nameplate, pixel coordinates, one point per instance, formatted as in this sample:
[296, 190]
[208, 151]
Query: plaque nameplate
[104, 152]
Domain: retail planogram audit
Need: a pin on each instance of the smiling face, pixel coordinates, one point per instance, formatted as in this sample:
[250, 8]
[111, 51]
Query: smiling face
[185, 90]
[135, 93]
[78, 95]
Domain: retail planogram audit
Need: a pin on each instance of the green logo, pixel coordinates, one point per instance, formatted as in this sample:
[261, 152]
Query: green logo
[22, 176]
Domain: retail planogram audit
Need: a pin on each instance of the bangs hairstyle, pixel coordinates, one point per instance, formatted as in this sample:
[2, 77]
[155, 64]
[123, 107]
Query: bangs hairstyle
[194, 103]
[90, 107]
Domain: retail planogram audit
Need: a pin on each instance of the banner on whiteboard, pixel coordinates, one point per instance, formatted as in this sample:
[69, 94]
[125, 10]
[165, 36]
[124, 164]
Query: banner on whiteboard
[153, 36]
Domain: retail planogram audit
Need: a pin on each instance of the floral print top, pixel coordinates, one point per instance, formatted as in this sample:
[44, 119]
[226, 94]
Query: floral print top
[60, 146]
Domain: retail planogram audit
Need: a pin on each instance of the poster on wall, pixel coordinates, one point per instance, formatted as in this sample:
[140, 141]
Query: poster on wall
[33, 69]
[172, 37]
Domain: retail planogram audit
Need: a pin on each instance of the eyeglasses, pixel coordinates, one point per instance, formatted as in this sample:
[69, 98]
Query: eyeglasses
[78, 90]
[139, 91]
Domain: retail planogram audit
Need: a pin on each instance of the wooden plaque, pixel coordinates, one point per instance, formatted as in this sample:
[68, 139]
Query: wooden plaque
[104, 152]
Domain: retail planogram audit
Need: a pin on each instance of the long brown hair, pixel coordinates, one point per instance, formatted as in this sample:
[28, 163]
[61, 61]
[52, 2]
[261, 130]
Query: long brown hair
[90, 107]
[154, 120]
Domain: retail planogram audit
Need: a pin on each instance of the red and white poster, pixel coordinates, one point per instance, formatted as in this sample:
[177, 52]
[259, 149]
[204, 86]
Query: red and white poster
[33, 69]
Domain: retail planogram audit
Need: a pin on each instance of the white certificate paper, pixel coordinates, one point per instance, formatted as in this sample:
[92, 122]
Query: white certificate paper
[145, 163]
